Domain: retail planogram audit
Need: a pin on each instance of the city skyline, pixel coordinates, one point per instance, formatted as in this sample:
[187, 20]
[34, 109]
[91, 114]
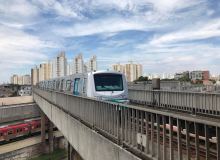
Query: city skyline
[163, 36]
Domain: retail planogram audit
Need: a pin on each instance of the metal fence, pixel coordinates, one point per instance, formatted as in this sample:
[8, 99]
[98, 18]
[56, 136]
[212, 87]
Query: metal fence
[205, 103]
[144, 131]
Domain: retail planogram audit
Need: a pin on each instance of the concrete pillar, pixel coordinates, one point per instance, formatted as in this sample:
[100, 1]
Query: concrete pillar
[69, 156]
[43, 137]
[50, 134]
[75, 155]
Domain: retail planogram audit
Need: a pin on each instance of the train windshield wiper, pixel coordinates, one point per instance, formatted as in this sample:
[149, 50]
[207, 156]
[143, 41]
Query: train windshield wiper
[106, 88]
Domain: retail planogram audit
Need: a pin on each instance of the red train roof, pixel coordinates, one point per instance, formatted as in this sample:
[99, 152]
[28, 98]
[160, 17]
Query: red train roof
[13, 127]
[39, 121]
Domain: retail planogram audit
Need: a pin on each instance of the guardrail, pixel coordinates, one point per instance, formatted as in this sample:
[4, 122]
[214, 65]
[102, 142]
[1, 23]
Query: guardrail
[145, 132]
[205, 103]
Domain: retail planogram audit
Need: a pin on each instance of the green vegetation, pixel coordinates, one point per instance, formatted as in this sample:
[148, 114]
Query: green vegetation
[59, 154]
[213, 81]
[141, 78]
[184, 79]
[13, 85]
[14, 94]
[166, 79]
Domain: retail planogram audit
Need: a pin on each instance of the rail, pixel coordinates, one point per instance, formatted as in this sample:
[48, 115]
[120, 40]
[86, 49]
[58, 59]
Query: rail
[205, 103]
[145, 132]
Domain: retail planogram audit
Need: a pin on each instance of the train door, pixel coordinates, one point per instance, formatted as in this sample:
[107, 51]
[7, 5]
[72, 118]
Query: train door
[76, 86]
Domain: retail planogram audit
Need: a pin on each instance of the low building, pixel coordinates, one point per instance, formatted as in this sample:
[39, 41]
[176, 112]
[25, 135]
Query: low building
[25, 91]
[194, 75]
[181, 74]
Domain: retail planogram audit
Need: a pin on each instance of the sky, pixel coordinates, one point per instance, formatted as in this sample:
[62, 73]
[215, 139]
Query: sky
[165, 36]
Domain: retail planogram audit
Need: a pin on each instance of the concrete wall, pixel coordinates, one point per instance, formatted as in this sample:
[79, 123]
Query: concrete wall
[18, 112]
[32, 151]
[89, 144]
[16, 100]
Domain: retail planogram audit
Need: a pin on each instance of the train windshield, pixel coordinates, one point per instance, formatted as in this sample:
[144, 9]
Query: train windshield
[108, 82]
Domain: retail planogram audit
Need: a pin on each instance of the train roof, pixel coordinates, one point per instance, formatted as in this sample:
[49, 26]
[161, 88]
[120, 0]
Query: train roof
[89, 72]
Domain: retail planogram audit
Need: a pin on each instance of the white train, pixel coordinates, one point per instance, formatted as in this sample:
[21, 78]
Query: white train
[103, 85]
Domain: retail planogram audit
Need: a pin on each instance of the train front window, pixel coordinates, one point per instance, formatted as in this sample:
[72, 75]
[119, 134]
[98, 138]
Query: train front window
[108, 82]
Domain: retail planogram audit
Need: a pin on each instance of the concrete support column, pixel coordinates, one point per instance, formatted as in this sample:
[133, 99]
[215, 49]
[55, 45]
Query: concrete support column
[69, 156]
[74, 155]
[43, 137]
[50, 133]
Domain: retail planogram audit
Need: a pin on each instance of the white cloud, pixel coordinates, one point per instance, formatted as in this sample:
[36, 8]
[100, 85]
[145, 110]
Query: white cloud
[201, 30]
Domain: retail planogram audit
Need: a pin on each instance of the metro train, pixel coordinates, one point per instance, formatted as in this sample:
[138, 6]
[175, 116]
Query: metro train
[28, 127]
[103, 85]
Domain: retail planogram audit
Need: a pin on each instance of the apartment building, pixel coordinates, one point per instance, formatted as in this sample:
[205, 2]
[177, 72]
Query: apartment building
[92, 64]
[26, 79]
[59, 65]
[68, 69]
[77, 64]
[34, 75]
[45, 71]
[131, 70]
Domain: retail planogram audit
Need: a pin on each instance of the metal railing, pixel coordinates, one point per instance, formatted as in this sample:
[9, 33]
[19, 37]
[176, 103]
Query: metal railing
[145, 132]
[205, 103]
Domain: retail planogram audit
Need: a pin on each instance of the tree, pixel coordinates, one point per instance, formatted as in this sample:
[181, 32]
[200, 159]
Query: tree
[141, 78]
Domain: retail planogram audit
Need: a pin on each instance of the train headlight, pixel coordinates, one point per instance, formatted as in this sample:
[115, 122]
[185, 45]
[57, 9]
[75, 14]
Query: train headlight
[100, 98]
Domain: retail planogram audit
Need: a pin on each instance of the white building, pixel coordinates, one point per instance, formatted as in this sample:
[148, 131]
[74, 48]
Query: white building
[77, 64]
[59, 65]
[92, 64]
[25, 91]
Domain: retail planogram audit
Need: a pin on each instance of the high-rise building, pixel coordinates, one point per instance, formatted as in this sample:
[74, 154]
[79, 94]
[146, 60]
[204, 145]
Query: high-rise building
[44, 71]
[59, 65]
[16, 79]
[26, 79]
[131, 70]
[84, 68]
[51, 70]
[68, 69]
[12, 79]
[20, 80]
[77, 64]
[118, 67]
[34, 75]
[139, 71]
[92, 64]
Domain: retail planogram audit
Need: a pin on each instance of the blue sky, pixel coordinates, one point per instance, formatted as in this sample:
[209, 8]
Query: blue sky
[163, 35]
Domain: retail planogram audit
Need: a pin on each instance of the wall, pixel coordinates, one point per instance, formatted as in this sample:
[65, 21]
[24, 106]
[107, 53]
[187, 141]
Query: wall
[33, 151]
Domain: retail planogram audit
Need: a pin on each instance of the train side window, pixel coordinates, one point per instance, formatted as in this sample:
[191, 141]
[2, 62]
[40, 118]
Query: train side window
[10, 132]
[61, 88]
[68, 85]
[76, 86]
[58, 85]
[84, 85]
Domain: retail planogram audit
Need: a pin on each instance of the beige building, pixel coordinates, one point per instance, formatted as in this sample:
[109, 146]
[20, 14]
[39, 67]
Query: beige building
[92, 64]
[34, 75]
[118, 67]
[131, 70]
[15, 79]
[77, 64]
[20, 80]
[45, 71]
[26, 79]
[68, 69]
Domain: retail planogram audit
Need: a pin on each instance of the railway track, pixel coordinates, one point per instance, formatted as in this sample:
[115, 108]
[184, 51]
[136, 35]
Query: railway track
[192, 147]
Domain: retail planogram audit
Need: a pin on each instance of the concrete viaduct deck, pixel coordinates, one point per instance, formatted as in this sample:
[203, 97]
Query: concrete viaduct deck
[104, 130]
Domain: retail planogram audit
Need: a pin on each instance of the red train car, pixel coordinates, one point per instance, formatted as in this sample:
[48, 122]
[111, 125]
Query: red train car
[28, 127]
